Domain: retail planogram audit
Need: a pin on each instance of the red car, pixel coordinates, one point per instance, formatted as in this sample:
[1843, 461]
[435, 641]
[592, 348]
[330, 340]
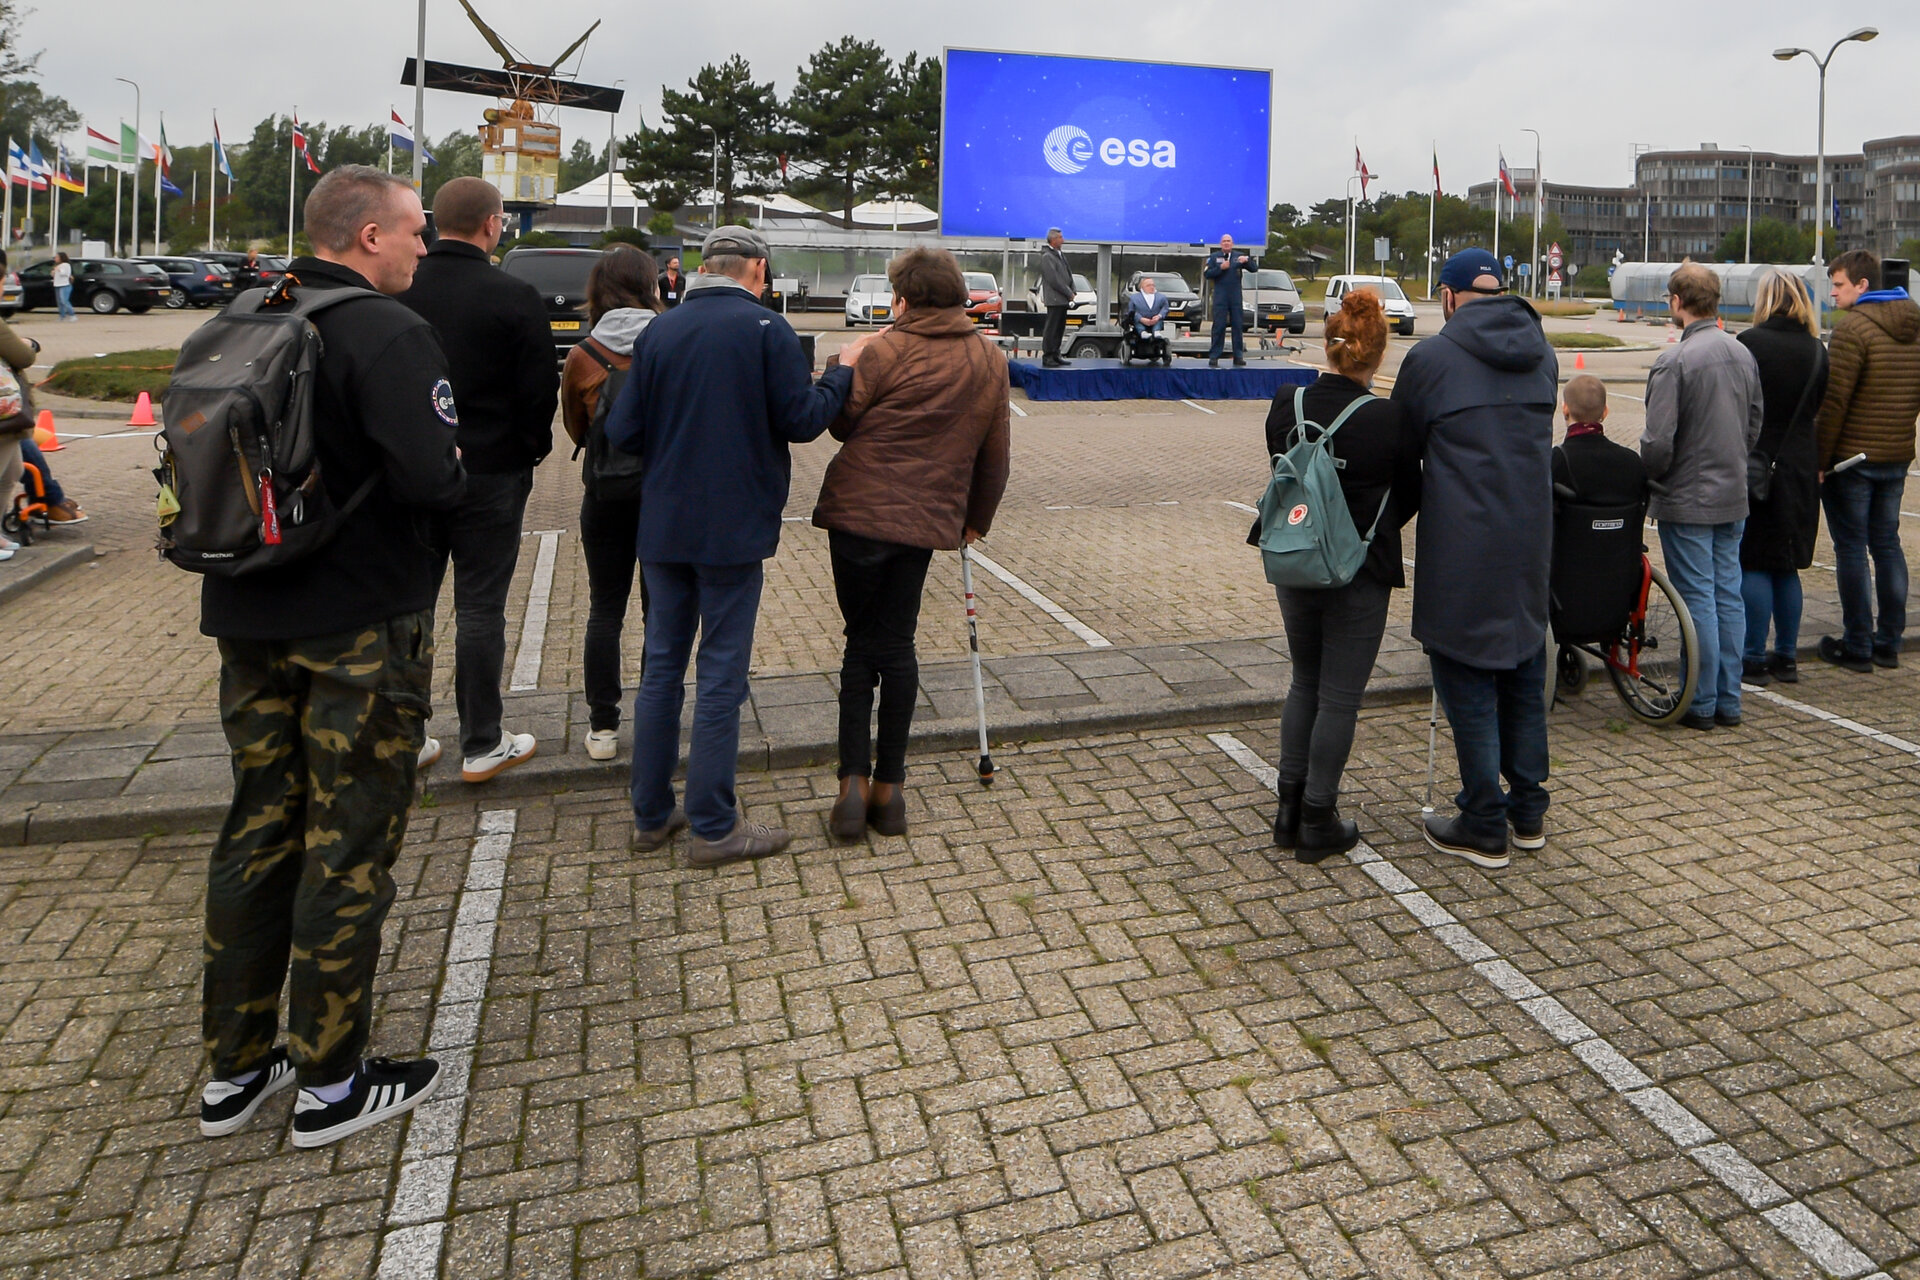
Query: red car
[983, 297]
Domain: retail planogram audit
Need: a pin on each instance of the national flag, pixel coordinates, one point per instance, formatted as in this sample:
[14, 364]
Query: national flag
[101, 150]
[402, 137]
[220, 150]
[300, 146]
[131, 145]
[1836, 211]
[39, 172]
[1360, 167]
[163, 154]
[1436, 173]
[62, 178]
[1506, 178]
[19, 170]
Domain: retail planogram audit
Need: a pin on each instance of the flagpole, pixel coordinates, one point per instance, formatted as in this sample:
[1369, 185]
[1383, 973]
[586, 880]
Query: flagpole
[60, 171]
[390, 114]
[6, 237]
[213, 184]
[26, 241]
[1433, 209]
[158, 156]
[118, 244]
[293, 159]
[1500, 180]
[133, 220]
[420, 100]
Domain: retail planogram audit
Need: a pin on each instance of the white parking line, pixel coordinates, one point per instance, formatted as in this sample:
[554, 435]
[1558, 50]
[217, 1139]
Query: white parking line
[1826, 1248]
[1241, 506]
[1839, 722]
[1093, 638]
[1202, 408]
[1015, 406]
[533, 630]
[417, 1222]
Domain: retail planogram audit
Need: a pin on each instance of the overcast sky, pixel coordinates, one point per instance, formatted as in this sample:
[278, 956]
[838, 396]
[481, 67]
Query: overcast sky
[1465, 75]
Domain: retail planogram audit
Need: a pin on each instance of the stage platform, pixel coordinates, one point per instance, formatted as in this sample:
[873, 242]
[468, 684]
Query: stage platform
[1185, 379]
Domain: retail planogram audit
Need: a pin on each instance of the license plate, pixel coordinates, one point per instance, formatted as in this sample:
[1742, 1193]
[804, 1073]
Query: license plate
[566, 326]
[881, 313]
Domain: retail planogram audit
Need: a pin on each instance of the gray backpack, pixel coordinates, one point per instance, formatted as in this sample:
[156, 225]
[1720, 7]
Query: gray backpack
[240, 486]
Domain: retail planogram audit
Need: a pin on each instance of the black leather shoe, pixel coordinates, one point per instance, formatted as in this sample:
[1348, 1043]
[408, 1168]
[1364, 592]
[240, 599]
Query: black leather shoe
[1286, 819]
[1239, 364]
[1784, 669]
[1323, 833]
[1832, 651]
[1886, 656]
[1213, 364]
[1756, 671]
[1691, 720]
[1726, 721]
[1450, 835]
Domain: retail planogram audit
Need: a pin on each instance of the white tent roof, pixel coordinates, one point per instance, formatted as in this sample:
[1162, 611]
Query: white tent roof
[593, 193]
[883, 213]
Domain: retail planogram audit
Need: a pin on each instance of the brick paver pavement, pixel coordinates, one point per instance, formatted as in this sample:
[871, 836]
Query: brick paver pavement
[1084, 1024]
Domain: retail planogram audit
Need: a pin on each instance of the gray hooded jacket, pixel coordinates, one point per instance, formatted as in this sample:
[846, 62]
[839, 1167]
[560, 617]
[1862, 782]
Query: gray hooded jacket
[1482, 393]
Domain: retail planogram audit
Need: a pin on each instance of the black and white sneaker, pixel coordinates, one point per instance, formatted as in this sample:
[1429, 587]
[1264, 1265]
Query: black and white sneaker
[382, 1089]
[226, 1106]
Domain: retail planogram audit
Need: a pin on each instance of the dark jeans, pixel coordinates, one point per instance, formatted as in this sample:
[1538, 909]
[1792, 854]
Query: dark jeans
[1771, 598]
[609, 532]
[1863, 519]
[30, 453]
[878, 585]
[1333, 637]
[1229, 315]
[482, 535]
[721, 601]
[1056, 328]
[1499, 721]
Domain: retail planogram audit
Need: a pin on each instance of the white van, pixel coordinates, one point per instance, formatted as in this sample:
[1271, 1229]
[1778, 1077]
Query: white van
[1395, 302]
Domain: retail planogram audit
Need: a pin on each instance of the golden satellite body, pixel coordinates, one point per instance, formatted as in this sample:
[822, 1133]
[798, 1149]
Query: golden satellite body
[520, 155]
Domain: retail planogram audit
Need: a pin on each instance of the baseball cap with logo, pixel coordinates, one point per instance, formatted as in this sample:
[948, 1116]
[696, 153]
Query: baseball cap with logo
[742, 241]
[1467, 266]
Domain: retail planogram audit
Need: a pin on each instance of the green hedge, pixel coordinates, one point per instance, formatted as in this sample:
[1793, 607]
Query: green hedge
[118, 375]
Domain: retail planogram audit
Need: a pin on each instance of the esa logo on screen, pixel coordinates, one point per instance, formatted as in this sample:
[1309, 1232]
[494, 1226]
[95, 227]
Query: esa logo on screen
[1068, 150]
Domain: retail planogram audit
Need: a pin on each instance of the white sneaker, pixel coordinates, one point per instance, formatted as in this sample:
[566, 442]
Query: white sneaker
[429, 753]
[603, 744]
[513, 748]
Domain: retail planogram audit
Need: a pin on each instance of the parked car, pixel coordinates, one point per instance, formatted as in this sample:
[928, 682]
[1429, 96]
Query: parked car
[983, 297]
[1399, 310]
[1080, 310]
[1183, 304]
[101, 285]
[10, 293]
[1276, 303]
[561, 277]
[268, 271]
[869, 301]
[196, 282]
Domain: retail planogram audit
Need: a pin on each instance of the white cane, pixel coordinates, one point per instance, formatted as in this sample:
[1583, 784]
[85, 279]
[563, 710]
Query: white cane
[973, 644]
[1433, 724]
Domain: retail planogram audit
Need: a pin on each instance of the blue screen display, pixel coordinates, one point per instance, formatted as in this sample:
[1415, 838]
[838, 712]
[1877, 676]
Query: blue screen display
[1110, 152]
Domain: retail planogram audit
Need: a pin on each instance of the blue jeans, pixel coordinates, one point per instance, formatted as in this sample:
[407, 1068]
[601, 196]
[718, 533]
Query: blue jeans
[1499, 721]
[1775, 598]
[722, 601]
[30, 452]
[63, 298]
[1863, 518]
[1703, 563]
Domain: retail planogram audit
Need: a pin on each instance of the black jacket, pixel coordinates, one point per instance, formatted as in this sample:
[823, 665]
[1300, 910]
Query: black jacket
[494, 330]
[1600, 472]
[1382, 453]
[382, 404]
[1780, 531]
[1482, 392]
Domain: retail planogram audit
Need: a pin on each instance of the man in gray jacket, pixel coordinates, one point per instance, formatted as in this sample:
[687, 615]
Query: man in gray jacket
[1056, 295]
[1482, 392]
[1703, 417]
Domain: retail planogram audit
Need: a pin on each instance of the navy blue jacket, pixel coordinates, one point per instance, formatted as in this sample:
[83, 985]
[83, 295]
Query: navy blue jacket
[1482, 393]
[718, 389]
[1226, 275]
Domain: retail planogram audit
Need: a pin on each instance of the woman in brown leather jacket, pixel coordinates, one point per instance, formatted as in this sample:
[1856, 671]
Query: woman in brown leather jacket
[922, 465]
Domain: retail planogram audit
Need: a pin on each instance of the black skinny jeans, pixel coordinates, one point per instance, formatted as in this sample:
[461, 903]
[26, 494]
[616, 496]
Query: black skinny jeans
[1333, 637]
[878, 585]
[609, 536]
[482, 538]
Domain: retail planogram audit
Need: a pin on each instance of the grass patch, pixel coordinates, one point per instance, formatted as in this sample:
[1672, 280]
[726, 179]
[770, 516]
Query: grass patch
[118, 375]
[1563, 307]
[1584, 341]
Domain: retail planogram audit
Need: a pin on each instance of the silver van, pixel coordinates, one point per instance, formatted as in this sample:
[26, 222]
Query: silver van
[1276, 302]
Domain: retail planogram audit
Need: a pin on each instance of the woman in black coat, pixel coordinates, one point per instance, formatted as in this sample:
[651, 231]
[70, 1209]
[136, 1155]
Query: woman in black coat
[1778, 542]
[1333, 634]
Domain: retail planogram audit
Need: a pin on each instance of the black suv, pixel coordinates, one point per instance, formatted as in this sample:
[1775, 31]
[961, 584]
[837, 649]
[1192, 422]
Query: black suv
[560, 275]
[102, 285]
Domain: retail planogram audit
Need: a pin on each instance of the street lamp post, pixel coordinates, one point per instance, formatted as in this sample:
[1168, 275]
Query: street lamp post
[419, 108]
[1351, 236]
[1749, 253]
[716, 172]
[136, 166]
[1862, 34]
[1533, 271]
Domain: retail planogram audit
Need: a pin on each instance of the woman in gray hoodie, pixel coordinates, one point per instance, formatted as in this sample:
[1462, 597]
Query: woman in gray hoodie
[622, 297]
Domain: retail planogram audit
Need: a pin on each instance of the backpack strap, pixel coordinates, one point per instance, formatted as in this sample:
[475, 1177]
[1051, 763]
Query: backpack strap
[592, 348]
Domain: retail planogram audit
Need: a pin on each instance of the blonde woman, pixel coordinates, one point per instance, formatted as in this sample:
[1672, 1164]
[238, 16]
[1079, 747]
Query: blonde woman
[1783, 496]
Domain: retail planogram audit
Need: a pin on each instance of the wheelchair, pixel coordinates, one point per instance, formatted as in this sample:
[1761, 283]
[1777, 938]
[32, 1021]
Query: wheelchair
[29, 508]
[1137, 344]
[1607, 604]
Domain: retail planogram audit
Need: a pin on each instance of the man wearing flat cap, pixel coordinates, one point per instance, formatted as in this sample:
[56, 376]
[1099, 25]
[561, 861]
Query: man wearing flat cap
[718, 389]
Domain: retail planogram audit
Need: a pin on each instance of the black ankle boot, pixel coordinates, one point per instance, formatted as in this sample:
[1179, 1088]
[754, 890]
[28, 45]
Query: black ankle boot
[1323, 833]
[1286, 819]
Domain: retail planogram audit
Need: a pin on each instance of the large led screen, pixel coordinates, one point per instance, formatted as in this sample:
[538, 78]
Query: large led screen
[1110, 152]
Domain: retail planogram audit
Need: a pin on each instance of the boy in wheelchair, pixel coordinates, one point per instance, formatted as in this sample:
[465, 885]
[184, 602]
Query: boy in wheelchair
[1144, 327]
[1600, 510]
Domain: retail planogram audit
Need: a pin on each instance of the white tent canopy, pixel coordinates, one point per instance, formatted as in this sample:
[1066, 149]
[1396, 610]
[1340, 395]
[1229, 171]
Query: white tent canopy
[593, 193]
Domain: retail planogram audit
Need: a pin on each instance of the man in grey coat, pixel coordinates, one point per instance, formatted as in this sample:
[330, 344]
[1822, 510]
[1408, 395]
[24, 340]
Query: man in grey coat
[1703, 418]
[1056, 295]
[1482, 393]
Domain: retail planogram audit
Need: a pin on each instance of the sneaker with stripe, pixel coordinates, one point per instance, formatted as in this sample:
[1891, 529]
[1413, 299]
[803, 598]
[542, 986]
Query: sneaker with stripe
[225, 1106]
[382, 1089]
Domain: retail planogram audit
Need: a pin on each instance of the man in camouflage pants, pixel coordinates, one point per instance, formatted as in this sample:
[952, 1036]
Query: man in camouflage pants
[325, 669]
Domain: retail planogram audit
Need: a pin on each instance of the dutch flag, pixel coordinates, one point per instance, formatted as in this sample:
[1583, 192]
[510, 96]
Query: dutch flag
[402, 137]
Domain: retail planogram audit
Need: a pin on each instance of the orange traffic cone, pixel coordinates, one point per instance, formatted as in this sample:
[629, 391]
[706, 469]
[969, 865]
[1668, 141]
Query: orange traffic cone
[1721, 323]
[142, 412]
[44, 434]
[1673, 334]
[1579, 361]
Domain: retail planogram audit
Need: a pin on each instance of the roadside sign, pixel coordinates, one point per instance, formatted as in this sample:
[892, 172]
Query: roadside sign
[1610, 270]
[1382, 250]
[1525, 269]
[1509, 262]
[1553, 255]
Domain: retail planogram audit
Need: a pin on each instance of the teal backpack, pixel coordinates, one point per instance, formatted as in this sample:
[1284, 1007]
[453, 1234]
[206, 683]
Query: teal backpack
[1307, 537]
